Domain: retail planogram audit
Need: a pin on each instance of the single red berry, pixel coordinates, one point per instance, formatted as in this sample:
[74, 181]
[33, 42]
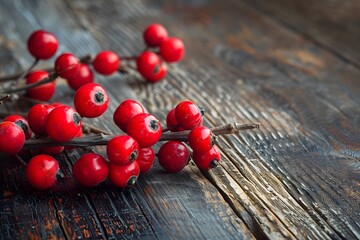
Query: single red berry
[145, 129]
[173, 156]
[42, 44]
[67, 65]
[122, 150]
[208, 159]
[151, 67]
[188, 115]
[145, 159]
[91, 100]
[125, 112]
[172, 50]
[21, 122]
[37, 118]
[12, 138]
[124, 175]
[51, 150]
[63, 124]
[154, 35]
[43, 92]
[201, 139]
[90, 170]
[106, 62]
[41, 171]
[84, 76]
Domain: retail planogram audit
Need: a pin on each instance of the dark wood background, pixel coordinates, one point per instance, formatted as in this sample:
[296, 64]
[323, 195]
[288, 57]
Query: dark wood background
[293, 66]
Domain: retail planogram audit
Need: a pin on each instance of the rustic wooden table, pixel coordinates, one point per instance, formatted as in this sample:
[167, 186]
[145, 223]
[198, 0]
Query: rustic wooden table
[293, 66]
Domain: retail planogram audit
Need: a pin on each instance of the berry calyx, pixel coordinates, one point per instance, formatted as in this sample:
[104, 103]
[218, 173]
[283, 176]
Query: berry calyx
[21, 122]
[124, 175]
[63, 124]
[154, 35]
[188, 115]
[145, 129]
[67, 65]
[151, 67]
[173, 156]
[106, 62]
[172, 50]
[208, 159]
[84, 76]
[42, 44]
[122, 150]
[37, 118]
[43, 92]
[12, 138]
[125, 112]
[146, 159]
[201, 139]
[91, 100]
[41, 172]
[90, 170]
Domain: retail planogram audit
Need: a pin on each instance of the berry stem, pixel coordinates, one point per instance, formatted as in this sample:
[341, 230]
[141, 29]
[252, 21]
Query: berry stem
[101, 139]
[4, 98]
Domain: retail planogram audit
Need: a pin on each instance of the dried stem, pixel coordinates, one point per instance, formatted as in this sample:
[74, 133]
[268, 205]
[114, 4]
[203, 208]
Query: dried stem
[101, 139]
[4, 98]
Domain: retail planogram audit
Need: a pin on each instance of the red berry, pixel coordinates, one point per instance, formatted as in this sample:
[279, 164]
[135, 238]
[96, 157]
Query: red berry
[91, 100]
[208, 159]
[90, 169]
[188, 115]
[51, 150]
[151, 67]
[173, 156]
[63, 124]
[172, 49]
[67, 65]
[145, 159]
[154, 35]
[201, 139]
[21, 122]
[84, 76]
[42, 44]
[41, 172]
[37, 118]
[122, 150]
[145, 129]
[171, 121]
[124, 175]
[106, 62]
[12, 138]
[125, 112]
[43, 92]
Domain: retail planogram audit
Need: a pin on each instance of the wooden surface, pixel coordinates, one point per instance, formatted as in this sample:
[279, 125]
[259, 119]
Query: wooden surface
[292, 65]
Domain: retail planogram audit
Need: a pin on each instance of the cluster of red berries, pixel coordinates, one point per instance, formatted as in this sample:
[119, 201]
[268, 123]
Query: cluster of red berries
[43, 45]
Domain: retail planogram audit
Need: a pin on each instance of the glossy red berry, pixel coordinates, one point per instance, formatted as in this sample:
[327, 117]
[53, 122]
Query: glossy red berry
[154, 35]
[42, 44]
[201, 139]
[106, 62]
[125, 112]
[146, 159]
[67, 65]
[90, 170]
[172, 50]
[12, 138]
[124, 175]
[122, 150]
[145, 129]
[41, 171]
[37, 118]
[43, 92]
[91, 100]
[171, 121]
[188, 115]
[21, 122]
[208, 159]
[173, 156]
[151, 67]
[84, 76]
[63, 124]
